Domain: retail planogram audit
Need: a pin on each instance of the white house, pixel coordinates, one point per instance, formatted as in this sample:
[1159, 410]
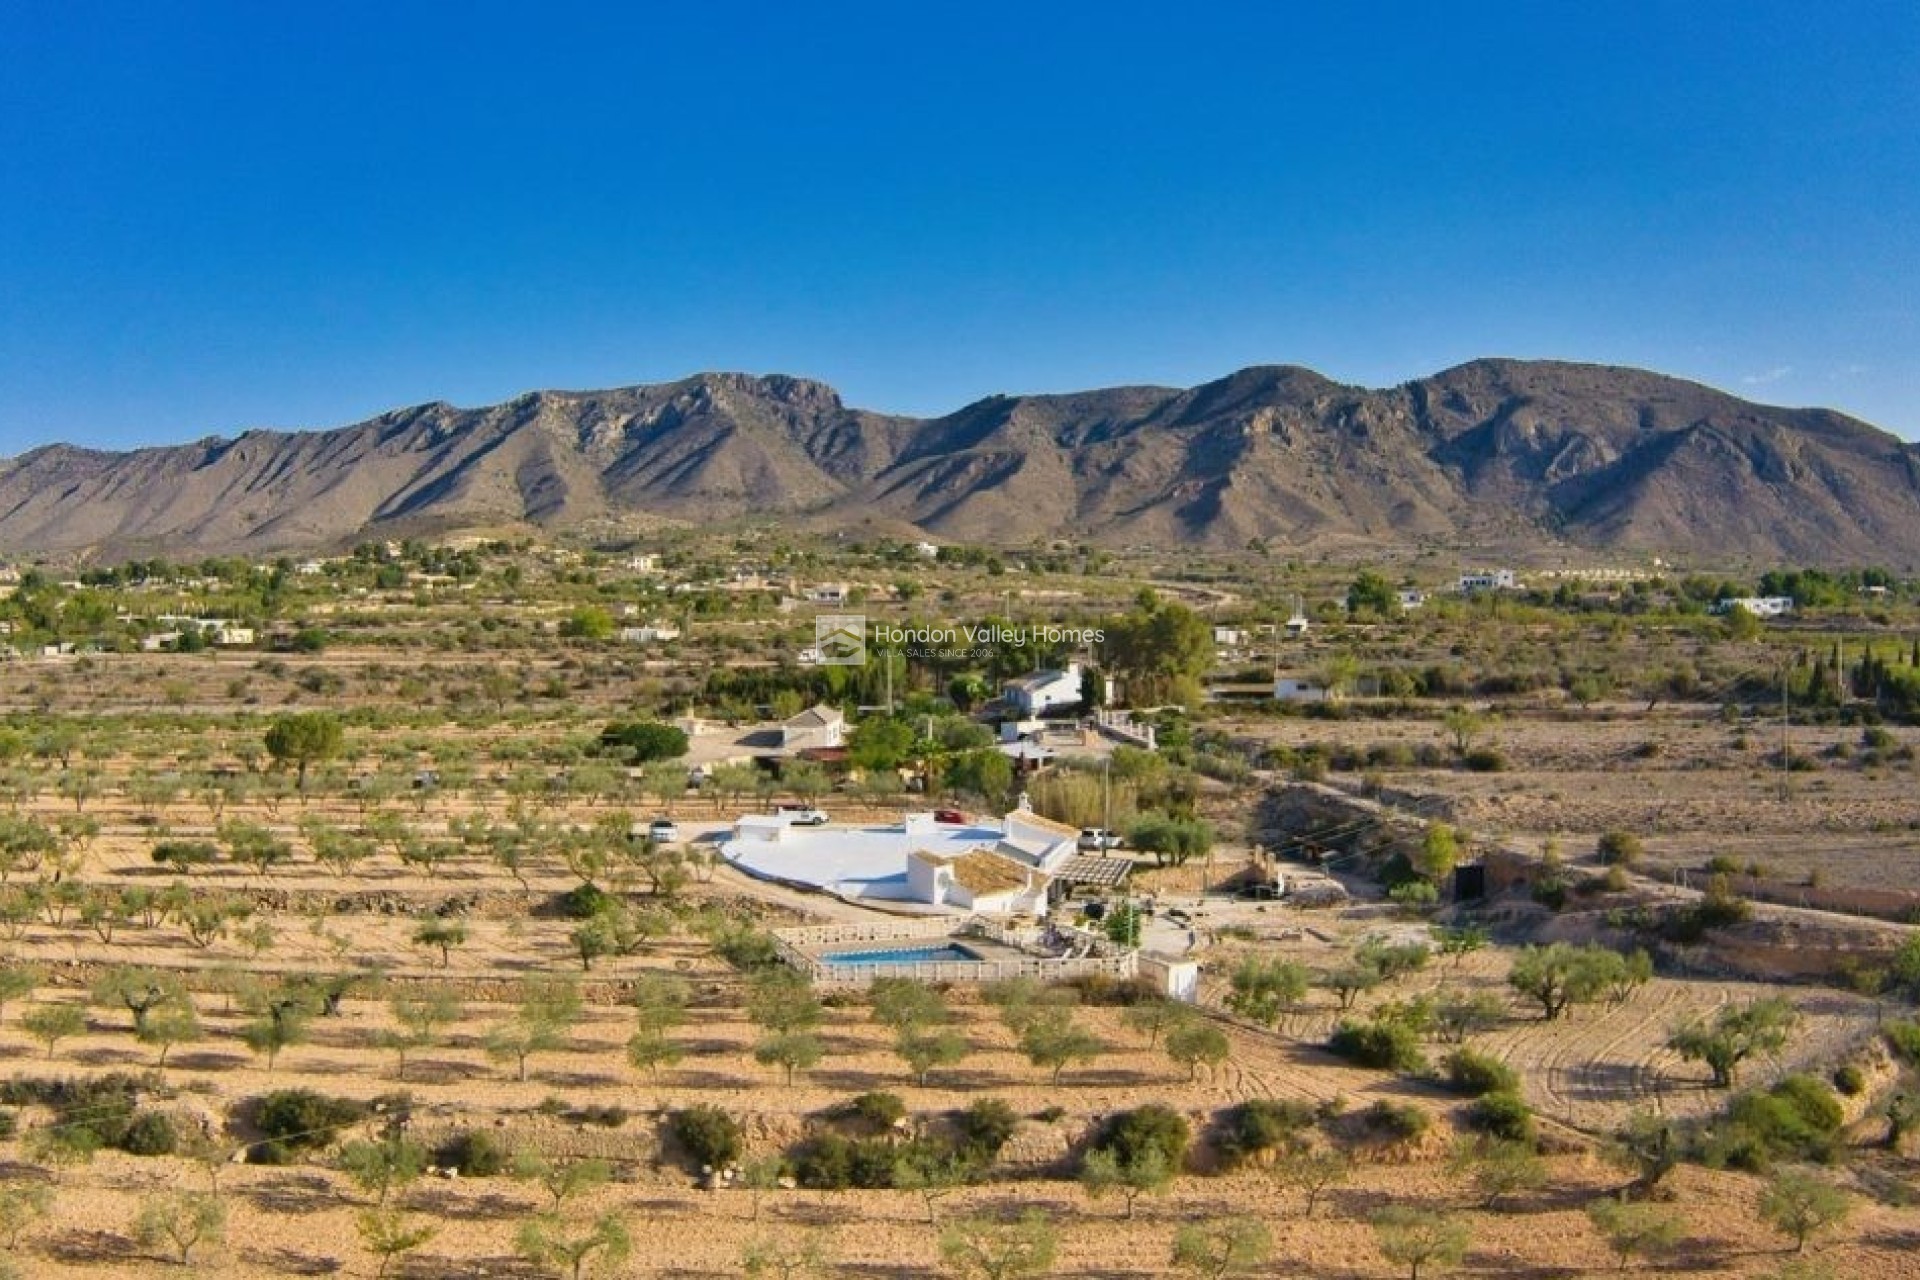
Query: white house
[1411, 599]
[977, 880]
[651, 633]
[1758, 606]
[1489, 580]
[816, 727]
[309, 568]
[230, 634]
[1298, 689]
[1229, 637]
[829, 593]
[929, 550]
[1043, 691]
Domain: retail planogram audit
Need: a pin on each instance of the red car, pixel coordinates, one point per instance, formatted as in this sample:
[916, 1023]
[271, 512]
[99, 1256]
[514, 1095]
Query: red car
[952, 816]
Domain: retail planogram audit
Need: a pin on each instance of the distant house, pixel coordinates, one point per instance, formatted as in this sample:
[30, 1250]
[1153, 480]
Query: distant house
[309, 568]
[817, 727]
[1758, 606]
[651, 633]
[929, 550]
[229, 635]
[1229, 637]
[1411, 599]
[829, 593]
[1298, 689]
[1489, 580]
[1044, 691]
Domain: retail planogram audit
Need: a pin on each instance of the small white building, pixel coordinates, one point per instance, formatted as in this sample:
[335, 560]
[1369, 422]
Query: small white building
[927, 550]
[816, 727]
[310, 568]
[1411, 599]
[977, 880]
[1758, 606]
[230, 635]
[1229, 637]
[829, 593]
[650, 633]
[1489, 580]
[1044, 691]
[1298, 689]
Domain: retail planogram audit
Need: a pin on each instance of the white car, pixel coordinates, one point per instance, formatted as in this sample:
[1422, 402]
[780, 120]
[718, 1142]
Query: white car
[803, 815]
[1098, 840]
[663, 831]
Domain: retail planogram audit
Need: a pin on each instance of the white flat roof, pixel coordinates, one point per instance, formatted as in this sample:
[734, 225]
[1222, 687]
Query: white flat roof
[855, 862]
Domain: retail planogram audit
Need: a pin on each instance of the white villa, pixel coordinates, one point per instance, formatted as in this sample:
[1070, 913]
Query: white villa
[976, 866]
[1043, 691]
[816, 727]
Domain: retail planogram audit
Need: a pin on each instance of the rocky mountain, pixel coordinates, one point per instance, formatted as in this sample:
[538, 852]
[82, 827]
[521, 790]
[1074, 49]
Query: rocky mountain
[1493, 452]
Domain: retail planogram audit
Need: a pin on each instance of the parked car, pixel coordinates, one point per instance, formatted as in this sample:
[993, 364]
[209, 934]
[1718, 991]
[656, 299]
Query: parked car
[952, 817]
[803, 815]
[663, 831]
[1098, 839]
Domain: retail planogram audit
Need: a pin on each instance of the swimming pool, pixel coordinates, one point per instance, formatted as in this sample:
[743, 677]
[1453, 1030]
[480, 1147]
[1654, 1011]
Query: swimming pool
[945, 952]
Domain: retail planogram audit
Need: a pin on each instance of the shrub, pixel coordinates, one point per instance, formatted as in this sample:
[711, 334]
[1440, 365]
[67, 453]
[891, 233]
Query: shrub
[584, 901]
[606, 1117]
[475, 1153]
[1259, 1125]
[1850, 1080]
[1475, 1073]
[1903, 1040]
[984, 1127]
[1502, 1114]
[1619, 848]
[709, 1135]
[294, 1120]
[1485, 760]
[1386, 1045]
[1799, 1118]
[834, 1162]
[9, 1125]
[879, 1109]
[93, 1112]
[151, 1133]
[1391, 1121]
[1129, 1133]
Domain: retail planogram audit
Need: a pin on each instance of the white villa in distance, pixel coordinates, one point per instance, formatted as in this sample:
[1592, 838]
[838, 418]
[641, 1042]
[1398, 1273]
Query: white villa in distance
[1489, 580]
[1758, 606]
[1044, 691]
[978, 866]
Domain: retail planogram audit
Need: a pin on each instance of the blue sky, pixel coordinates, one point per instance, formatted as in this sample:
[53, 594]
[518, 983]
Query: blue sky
[216, 217]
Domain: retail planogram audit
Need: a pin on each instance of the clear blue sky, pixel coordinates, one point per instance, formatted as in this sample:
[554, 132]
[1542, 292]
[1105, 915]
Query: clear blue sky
[222, 216]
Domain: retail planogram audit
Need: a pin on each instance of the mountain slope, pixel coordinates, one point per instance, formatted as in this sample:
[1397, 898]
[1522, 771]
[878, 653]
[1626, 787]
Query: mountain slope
[1492, 451]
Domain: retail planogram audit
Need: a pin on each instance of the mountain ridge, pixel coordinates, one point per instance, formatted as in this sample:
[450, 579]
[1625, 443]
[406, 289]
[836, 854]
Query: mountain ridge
[1603, 457]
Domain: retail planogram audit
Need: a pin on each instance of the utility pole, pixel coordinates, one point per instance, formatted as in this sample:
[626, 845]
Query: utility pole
[1786, 755]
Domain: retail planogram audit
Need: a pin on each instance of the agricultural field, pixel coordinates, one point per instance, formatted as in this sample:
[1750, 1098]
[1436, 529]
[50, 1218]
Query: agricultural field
[335, 954]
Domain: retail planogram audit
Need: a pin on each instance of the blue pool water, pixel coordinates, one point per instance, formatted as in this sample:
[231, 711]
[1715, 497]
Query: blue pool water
[901, 955]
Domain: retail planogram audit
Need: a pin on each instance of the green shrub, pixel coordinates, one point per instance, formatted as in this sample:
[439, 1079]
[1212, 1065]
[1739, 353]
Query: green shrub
[1391, 1121]
[295, 1120]
[93, 1112]
[1129, 1133]
[1799, 1118]
[1903, 1041]
[835, 1162]
[983, 1128]
[1259, 1125]
[584, 901]
[1850, 1080]
[151, 1133]
[1485, 760]
[709, 1135]
[1502, 1114]
[879, 1110]
[1386, 1045]
[1474, 1073]
[475, 1153]
[1619, 848]
[9, 1125]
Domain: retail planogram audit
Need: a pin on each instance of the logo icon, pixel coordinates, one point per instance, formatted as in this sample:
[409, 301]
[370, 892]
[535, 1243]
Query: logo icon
[840, 639]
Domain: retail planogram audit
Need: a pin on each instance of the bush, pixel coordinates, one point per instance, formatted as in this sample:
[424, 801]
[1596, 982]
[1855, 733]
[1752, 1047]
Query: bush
[879, 1109]
[984, 1127]
[1388, 1046]
[1797, 1119]
[1475, 1073]
[1485, 760]
[94, 1112]
[1850, 1080]
[475, 1153]
[584, 901]
[835, 1162]
[1259, 1125]
[1903, 1041]
[709, 1135]
[1129, 1133]
[9, 1125]
[294, 1120]
[1502, 1114]
[1391, 1121]
[1619, 848]
[151, 1133]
